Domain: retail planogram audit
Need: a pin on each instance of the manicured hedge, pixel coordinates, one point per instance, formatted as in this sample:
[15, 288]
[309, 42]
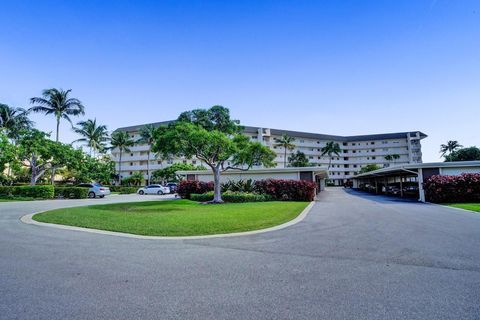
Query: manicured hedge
[71, 192]
[462, 188]
[123, 189]
[234, 197]
[289, 190]
[37, 192]
[187, 187]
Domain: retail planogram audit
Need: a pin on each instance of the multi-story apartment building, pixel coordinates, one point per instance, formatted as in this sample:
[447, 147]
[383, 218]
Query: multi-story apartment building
[356, 151]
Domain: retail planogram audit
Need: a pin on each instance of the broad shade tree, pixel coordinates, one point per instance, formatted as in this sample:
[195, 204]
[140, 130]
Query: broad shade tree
[215, 139]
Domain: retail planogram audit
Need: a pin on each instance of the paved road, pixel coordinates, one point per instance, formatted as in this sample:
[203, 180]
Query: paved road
[354, 257]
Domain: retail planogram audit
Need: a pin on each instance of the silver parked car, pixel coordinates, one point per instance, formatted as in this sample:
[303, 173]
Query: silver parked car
[95, 190]
[154, 189]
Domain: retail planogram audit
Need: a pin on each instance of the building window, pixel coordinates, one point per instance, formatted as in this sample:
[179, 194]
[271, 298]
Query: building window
[169, 161]
[373, 150]
[354, 165]
[131, 154]
[131, 163]
[310, 157]
[354, 151]
[345, 144]
[373, 142]
[194, 161]
[373, 158]
[159, 162]
[353, 144]
[302, 141]
[131, 172]
[345, 158]
[345, 165]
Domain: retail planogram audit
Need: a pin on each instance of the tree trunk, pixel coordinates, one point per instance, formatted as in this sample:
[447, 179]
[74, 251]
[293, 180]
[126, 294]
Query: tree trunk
[120, 168]
[33, 167]
[329, 163]
[58, 127]
[285, 158]
[148, 166]
[52, 178]
[217, 194]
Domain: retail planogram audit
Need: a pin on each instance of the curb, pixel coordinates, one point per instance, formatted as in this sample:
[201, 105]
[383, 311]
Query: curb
[27, 219]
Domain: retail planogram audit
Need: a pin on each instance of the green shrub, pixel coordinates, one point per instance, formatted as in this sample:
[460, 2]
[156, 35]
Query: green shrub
[233, 197]
[71, 192]
[37, 192]
[123, 189]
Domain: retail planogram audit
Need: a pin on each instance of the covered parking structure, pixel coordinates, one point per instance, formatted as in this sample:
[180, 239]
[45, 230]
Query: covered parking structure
[407, 180]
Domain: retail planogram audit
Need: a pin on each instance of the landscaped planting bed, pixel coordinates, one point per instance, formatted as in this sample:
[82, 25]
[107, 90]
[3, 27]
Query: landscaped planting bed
[176, 217]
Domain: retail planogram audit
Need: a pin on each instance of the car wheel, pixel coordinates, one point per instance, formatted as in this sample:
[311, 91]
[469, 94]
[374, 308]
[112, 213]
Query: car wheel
[91, 194]
[160, 192]
[141, 192]
[102, 197]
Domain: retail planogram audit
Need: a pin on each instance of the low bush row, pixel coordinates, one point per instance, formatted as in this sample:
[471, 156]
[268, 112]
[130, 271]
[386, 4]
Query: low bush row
[274, 189]
[123, 189]
[229, 196]
[286, 190]
[462, 188]
[37, 192]
[71, 192]
[187, 187]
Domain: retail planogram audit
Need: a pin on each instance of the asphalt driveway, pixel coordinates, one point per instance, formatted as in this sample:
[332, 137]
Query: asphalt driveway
[354, 257]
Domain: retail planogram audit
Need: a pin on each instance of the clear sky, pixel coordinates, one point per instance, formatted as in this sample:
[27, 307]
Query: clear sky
[335, 67]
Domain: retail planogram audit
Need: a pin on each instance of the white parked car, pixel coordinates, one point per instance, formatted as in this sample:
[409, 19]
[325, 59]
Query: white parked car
[154, 189]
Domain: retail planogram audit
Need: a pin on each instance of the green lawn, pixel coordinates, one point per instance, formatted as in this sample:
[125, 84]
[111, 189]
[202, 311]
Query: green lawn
[467, 206]
[176, 217]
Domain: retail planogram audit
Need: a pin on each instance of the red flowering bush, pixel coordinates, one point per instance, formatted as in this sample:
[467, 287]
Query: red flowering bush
[292, 190]
[462, 188]
[187, 187]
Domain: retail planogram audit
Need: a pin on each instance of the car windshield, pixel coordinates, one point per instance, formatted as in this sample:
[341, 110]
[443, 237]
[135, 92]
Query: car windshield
[97, 184]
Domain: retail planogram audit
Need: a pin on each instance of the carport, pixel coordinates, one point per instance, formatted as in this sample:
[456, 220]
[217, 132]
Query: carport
[410, 177]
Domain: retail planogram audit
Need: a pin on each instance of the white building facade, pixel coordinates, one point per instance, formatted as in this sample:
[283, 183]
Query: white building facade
[356, 151]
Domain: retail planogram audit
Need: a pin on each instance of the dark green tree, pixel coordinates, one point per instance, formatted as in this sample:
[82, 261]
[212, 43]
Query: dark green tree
[168, 173]
[298, 159]
[464, 154]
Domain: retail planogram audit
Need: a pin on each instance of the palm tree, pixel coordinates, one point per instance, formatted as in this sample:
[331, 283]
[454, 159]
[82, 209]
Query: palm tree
[94, 136]
[14, 121]
[286, 142]
[121, 140]
[57, 102]
[147, 136]
[330, 149]
[451, 146]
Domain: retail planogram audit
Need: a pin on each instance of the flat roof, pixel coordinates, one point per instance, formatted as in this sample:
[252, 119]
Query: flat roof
[257, 170]
[301, 134]
[416, 166]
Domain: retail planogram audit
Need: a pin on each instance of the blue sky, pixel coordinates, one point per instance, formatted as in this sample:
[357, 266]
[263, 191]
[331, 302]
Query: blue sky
[336, 67]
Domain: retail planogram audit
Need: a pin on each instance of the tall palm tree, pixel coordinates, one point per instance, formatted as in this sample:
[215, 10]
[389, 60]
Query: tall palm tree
[57, 102]
[451, 146]
[330, 149]
[286, 142]
[121, 140]
[93, 135]
[14, 121]
[147, 136]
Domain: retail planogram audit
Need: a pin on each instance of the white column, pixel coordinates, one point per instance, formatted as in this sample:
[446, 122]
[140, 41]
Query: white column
[421, 191]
